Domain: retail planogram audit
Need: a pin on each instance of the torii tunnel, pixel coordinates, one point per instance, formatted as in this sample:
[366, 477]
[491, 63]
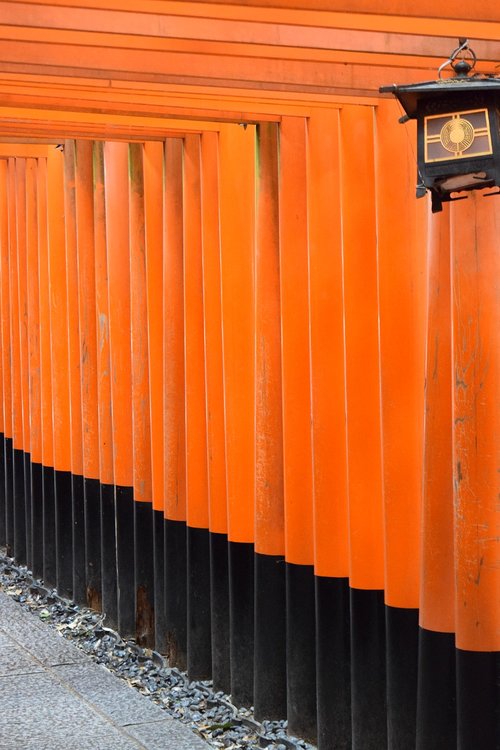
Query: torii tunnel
[249, 387]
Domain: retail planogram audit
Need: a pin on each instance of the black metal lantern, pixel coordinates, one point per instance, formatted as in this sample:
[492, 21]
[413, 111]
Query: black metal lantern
[458, 129]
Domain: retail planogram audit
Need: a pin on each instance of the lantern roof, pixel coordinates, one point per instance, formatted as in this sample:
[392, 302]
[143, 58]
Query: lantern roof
[411, 94]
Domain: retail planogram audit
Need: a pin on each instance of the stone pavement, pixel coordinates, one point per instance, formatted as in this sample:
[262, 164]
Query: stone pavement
[53, 697]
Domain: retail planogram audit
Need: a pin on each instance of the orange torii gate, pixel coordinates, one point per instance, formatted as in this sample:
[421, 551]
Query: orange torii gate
[249, 384]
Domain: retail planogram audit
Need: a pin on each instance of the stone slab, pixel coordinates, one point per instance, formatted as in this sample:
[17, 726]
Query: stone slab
[48, 647]
[112, 695]
[112, 741]
[53, 697]
[15, 661]
[168, 734]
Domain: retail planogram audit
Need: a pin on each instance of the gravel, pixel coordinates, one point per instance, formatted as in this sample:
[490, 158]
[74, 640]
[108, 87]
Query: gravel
[210, 714]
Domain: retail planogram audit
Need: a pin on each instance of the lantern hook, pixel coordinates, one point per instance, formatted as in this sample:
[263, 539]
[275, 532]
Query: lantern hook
[463, 59]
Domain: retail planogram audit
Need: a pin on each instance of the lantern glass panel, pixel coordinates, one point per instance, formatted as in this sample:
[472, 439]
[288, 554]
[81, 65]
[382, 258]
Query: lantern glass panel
[457, 135]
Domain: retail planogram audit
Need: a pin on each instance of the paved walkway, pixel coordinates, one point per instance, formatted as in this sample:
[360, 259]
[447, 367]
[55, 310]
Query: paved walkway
[53, 697]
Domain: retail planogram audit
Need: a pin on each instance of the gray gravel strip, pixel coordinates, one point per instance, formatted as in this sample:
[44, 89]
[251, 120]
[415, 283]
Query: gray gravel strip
[210, 715]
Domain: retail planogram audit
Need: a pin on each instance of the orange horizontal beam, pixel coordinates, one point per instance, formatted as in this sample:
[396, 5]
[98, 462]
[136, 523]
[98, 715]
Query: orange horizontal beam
[115, 53]
[98, 120]
[12, 130]
[23, 150]
[82, 26]
[71, 101]
[174, 100]
[30, 133]
[351, 72]
[300, 11]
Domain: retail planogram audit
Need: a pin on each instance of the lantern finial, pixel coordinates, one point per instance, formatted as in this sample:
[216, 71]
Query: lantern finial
[462, 60]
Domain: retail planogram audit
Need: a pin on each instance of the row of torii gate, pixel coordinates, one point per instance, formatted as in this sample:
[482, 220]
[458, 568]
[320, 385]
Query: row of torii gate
[249, 385]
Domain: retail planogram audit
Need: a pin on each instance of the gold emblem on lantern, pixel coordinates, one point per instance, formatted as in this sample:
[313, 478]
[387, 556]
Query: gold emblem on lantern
[456, 135]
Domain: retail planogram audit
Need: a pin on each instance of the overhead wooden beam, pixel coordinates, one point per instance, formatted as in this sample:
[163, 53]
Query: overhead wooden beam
[273, 10]
[106, 28]
[23, 150]
[356, 72]
[24, 123]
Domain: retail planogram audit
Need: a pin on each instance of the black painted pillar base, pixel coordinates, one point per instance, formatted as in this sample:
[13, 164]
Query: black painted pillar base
[199, 653]
[478, 700]
[124, 508]
[241, 621]
[219, 602]
[402, 673]
[37, 520]
[49, 526]
[144, 575]
[79, 580]
[270, 637]
[92, 520]
[176, 593]
[108, 556]
[27, 510]
[9, 496]
[19, 507]
[301, 651]
[159, 581]
[436, 700]
[333, 663]
[64, 534]
[368, 670]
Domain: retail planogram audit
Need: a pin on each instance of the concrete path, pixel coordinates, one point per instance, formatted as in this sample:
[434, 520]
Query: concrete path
[53, 697]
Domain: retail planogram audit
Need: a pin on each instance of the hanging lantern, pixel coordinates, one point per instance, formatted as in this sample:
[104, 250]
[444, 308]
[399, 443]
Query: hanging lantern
[458, 128]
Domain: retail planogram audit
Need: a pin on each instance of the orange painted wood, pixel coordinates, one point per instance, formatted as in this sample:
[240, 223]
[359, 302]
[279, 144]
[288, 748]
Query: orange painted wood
[269, 493]
[35, 125]
[323, 71]
[475, 226]
[194, 351]
[295, 343]
[4, 429]
[153, 167]
[106, 464]
[331, 535]
[141, 424]
[118, 276]
[5, 300]
[33, 308]
[401, 252]
[84, 205]
[242, 40]
[486, 9]
[22, 291]
[277, 9]
[45, 322]
[437, 591]
[237, 194]
[22, 150]
[283, 28]
[366, 530]
[15, 347]
[173, 351]
[220, 36]
[58, 311]
[212, 313]
[184, 105]
[73, 322]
